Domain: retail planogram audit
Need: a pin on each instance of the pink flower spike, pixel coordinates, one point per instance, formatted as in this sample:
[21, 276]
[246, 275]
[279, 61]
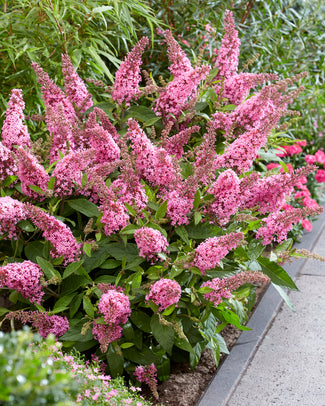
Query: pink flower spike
[74, 86]
[11, 212]
[30, 172]
[148, 374]
[179, 61]
[209, 253]
[23, 277]
[150, 242]
[228, 53]
[44, 323]
[164, 293]
[14, 131]
[115, 306]
[127, 78]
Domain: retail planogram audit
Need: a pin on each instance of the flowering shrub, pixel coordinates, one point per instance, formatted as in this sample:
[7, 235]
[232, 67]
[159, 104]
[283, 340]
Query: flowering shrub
[147, 220]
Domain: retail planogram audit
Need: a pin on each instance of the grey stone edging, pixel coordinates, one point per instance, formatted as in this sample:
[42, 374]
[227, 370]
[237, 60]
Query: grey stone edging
[229, 374]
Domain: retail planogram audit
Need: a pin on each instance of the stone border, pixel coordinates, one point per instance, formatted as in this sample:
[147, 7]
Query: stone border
[230, 372]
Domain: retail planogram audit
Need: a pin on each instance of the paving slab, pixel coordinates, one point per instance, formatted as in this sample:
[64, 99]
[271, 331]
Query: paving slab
[282, 359]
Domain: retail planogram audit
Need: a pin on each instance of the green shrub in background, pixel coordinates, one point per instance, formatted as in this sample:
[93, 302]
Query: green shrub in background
[288, 35]
[93, 33]
[35, 372]
[30, 377]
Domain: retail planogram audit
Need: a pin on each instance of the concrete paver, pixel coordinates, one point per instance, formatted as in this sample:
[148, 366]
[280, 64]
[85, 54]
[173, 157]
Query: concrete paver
[289, 366]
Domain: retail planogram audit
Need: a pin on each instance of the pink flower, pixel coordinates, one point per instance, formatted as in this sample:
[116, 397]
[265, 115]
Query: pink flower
[115, 216]
[74, 86]
[106, 334]
[241, 153]
[320, 157]
[307, 225]
[115, 306]
[226, 193]
[30, 172]
[148, 375]
[222, 288]
[25, 278]
[8, 165]
[56, 232]
[320, 176]
[277, 225]
[272, 166]
[175, 96]
[309, 202]
[228, 53]
[44, 323]
[127, 78]
[179, 61]
[68, 172]
[164, 293]
[179, 206]
[209, 253]
[310, 159]
[302, 193]
[11, 212]
[14, 132]
[302, 143]
[150, 242]
[103, 144]
[174, 144]
[236, 87]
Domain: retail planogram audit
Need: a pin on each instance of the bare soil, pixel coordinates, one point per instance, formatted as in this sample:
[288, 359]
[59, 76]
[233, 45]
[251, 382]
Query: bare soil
[185, 386]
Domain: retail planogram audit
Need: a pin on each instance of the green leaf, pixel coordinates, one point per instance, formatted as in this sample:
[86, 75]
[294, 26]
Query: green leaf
[97, 259]
[119, 251]
[72, 268]
[63, 302]
[202, 231]
[197, 199]
[163, 334]
[215, 348]
[182, 232]
[141, 113]
[87, 249]
[255, 249]
[48, 268]
[229, 107]
[161, 211]
[197, 218]
[51, 183]
[129, 230]
[115, 361]
[284, 296]
[145, 357]
[9, 180]
[36, 189]
[285, 246]
[33, 250]
[111, 264]
[75, 305]
[26, 225]
[101, 9]
[277, 274]
[84, 206]
[141, 320]
[105, 279]
[126, 345]
[3, 311]
[88, 307]
[183, 344]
